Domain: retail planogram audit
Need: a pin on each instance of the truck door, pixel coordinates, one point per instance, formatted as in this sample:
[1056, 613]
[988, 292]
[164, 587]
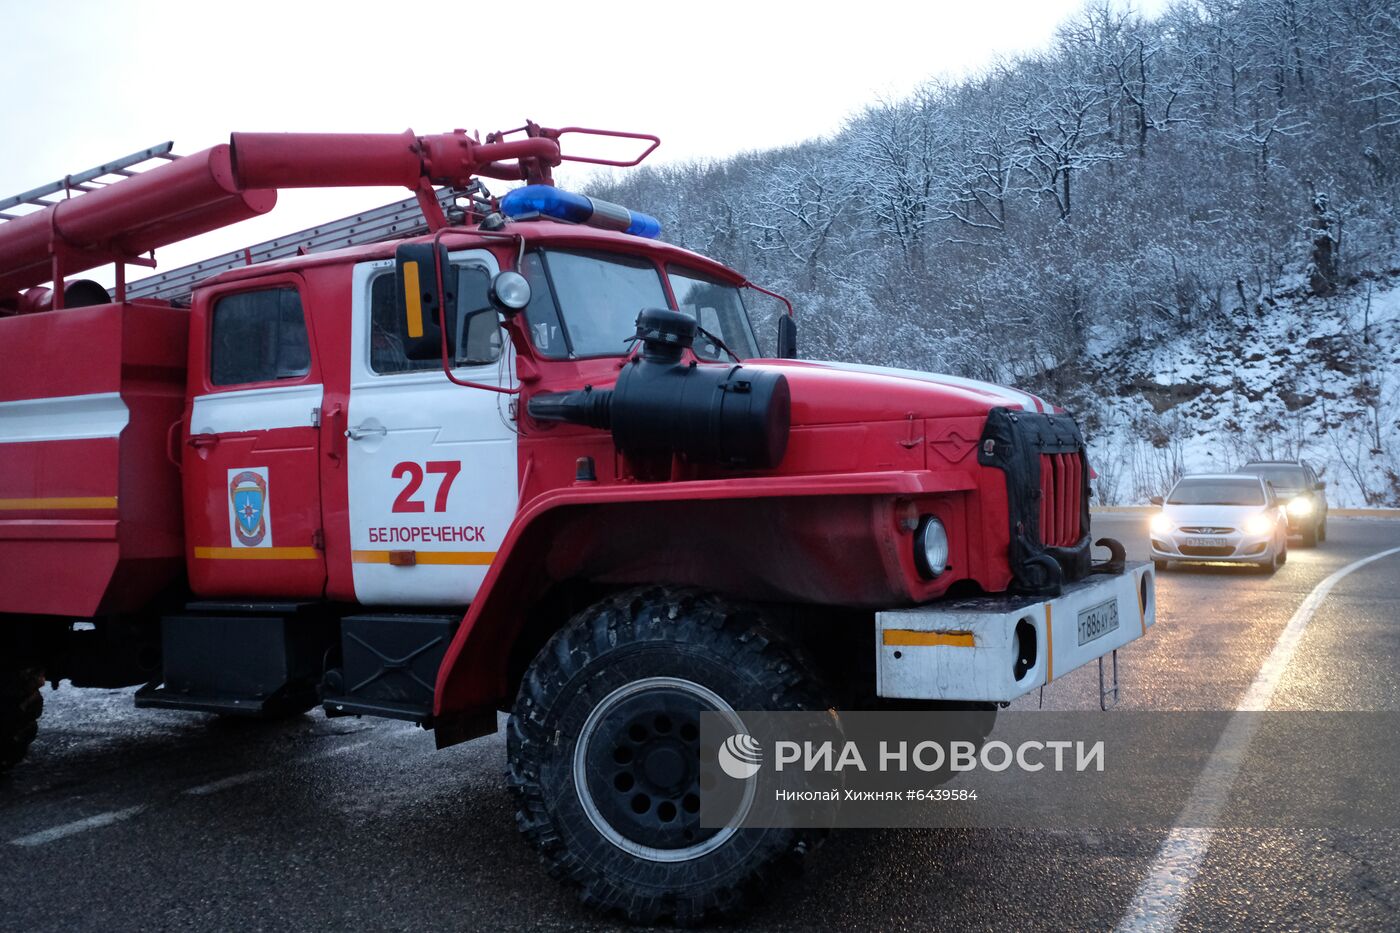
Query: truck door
[431, 465]
[250, 462]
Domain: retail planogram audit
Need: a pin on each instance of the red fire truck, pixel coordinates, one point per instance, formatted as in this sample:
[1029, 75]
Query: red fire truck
[469, 454]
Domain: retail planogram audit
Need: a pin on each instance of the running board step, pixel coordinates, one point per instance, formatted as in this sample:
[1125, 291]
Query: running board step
[251, 663]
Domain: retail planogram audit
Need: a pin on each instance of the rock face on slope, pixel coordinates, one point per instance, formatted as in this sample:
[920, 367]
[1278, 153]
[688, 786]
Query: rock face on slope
[1295, 376]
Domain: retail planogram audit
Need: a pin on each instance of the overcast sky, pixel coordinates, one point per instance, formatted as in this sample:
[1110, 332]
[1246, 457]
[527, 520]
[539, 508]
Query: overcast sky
[82, 82]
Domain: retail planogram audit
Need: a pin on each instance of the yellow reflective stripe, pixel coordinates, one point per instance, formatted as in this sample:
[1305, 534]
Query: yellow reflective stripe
[412, 299]
[458, 558]
[910, 638]
[257, 553]
[1049, 646]
[60, 502]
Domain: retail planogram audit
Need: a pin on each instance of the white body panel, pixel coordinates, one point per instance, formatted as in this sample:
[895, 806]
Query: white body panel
[985, 670]
[433, 556]
[67, 418]
[261, 409]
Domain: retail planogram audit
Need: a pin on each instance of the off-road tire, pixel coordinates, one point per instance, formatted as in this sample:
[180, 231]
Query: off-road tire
[21, 704]
[640, 636]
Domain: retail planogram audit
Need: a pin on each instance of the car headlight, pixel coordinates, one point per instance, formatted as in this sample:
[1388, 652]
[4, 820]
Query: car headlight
[931, 547]
[1300, 506]
[1161, 524]
[1259, 524]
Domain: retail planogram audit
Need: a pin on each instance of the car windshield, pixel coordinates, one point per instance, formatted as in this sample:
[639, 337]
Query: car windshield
[1283, 477]
[586, 304]
[1217, 492]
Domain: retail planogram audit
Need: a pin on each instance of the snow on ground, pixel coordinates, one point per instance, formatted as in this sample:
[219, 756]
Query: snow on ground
[1295, 376]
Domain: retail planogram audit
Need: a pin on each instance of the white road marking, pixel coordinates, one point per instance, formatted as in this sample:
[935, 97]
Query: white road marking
[213, 787]
[1162, 894]
[199, 790]
[77, 826]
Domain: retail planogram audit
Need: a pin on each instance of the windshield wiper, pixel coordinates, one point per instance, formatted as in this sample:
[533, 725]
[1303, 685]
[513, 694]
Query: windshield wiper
[717, 342]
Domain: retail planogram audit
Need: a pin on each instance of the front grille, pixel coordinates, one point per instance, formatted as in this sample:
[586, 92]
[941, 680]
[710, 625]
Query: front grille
[1042, 455]
[1207, 551]
[1207, 530]
[1061, 485]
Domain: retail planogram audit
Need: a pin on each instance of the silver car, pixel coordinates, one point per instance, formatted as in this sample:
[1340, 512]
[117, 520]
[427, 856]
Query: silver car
[1226, 517]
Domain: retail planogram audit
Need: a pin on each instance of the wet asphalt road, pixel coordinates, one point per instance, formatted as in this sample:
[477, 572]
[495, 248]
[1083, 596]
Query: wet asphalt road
[199, 823]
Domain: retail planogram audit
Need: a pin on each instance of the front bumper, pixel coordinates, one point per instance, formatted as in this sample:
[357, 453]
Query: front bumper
[996, 648]
[1232, 548]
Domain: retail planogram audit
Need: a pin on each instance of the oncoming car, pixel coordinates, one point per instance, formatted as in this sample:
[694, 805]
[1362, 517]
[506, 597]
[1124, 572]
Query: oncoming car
[1231, 518]
[1303, 494]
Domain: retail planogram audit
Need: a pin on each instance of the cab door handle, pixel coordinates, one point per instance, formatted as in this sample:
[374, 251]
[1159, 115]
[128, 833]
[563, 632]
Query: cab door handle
[203, 440]
[360, 432]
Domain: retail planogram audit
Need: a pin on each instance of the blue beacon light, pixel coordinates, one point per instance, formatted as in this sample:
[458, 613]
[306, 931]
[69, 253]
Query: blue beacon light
[578, 209]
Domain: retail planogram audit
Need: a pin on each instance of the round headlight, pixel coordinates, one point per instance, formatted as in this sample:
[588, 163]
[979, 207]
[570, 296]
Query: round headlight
[931, 547]
[509, 291]
[1300, 506]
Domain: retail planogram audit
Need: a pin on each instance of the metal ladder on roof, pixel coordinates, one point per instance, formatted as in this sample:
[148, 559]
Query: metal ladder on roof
[99, 176]
[390, 222]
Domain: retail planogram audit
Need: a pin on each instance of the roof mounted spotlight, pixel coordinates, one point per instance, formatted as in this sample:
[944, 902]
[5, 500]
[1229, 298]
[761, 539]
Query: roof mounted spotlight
[509, 292]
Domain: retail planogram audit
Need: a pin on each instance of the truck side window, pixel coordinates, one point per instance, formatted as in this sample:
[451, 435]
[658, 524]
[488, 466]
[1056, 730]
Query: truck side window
[258, 336]
[393, 350]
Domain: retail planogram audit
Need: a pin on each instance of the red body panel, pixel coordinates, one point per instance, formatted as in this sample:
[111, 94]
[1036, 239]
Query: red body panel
[552, 535]
[91, 524]
[293, 564]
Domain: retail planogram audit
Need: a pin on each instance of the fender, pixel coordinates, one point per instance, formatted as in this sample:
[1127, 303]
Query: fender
[473, 680]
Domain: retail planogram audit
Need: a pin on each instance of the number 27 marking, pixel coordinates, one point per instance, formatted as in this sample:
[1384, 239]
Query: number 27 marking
[404, 501]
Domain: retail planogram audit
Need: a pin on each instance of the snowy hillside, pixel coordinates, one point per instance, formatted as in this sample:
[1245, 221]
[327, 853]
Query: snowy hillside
[1295, 376]
[1185, 228]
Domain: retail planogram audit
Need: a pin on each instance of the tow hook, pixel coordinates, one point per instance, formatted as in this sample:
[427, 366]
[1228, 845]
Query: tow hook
[1117, 557]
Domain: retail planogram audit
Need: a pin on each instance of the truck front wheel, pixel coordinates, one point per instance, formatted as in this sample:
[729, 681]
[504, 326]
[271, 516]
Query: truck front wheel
[603, 748]
[21, 704]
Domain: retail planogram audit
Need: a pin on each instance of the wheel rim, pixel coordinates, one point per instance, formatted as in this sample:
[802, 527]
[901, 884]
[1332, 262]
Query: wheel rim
[636, 769]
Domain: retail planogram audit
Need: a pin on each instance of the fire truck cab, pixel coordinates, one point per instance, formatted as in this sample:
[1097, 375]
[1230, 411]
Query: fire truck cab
[518, 455]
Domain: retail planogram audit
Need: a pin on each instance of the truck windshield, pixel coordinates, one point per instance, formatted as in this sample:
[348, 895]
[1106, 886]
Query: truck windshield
[586, 304]
[719, 309]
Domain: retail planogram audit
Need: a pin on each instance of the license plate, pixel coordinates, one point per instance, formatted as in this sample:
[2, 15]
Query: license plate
[1097, 621]
[1205, 542]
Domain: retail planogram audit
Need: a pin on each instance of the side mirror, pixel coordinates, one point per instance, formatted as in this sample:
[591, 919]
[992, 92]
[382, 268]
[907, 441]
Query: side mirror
[1156, 500]
[787, 338]
[1320, 485]
[418, 267]
[479, 340]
